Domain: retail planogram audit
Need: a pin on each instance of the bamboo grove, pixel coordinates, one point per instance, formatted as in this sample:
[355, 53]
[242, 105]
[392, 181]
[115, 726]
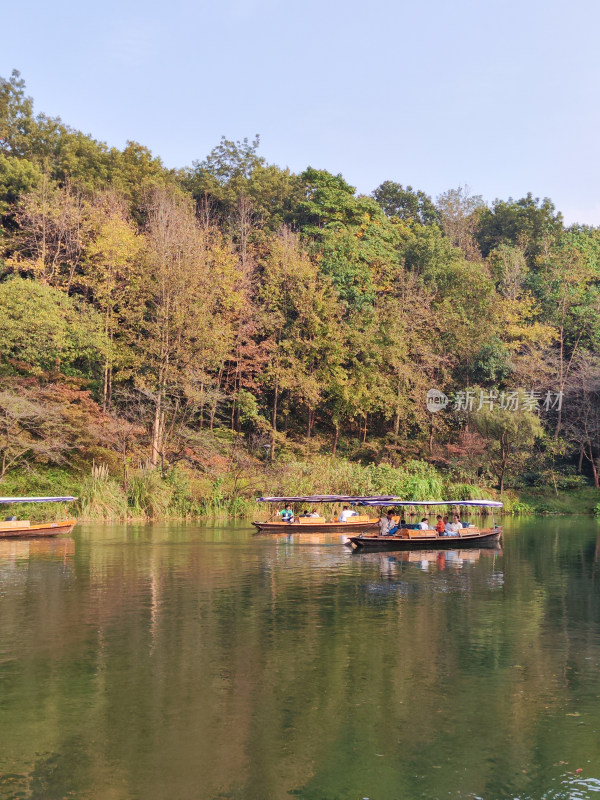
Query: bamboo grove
[147, 312]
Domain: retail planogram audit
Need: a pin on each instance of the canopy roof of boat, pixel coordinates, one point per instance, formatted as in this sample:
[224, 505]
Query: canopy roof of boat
[7, 500]
[377, 500]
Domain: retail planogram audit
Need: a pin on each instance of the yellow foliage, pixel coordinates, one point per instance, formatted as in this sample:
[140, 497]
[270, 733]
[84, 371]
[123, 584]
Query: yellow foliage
[519, 323]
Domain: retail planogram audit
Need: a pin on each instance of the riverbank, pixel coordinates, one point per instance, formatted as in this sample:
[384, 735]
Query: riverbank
[182, 494]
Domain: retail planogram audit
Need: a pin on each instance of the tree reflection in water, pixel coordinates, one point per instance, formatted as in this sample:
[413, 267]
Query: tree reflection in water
[162, 662]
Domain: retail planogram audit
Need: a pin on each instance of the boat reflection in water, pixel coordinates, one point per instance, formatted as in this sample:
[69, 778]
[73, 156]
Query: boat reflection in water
[13, 550]
[294, 537]
[449, 570]
[445, 559]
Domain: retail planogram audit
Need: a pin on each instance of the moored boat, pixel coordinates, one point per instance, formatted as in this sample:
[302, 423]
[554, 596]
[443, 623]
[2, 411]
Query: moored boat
[24, 529]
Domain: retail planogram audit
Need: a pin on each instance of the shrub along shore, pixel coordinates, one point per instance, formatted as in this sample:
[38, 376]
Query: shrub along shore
[179, 495]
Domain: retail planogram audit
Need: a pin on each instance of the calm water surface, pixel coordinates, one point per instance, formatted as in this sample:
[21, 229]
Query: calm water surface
[207, 663]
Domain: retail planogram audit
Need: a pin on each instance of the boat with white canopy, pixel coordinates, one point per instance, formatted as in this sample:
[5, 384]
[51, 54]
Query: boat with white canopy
[332, 523]
[11, 527]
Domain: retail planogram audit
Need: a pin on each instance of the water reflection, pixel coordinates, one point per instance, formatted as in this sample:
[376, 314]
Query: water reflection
[13, 550]
[183, 662]
[434, 559]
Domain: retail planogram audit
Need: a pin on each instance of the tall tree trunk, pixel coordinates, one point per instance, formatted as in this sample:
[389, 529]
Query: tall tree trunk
[561, 379]
[107, 360]
[274, 420]
[311, 422]
[336, 439]
[275, 399]
[594, 463]
[157, 431]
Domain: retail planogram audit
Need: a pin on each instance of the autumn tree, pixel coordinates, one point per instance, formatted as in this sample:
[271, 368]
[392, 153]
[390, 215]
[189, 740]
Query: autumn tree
[54, 229]
[459, 215]
[189, 281]
[112, 277]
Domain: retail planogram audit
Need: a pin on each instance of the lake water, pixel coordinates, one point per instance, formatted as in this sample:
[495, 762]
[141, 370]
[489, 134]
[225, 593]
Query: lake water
[176, 662]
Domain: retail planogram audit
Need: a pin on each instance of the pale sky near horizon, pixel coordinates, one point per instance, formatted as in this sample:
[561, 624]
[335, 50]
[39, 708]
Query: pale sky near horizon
[499, 95]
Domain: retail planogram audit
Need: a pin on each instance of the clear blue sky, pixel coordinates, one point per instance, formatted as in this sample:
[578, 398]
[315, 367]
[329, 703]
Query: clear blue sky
[501, 95]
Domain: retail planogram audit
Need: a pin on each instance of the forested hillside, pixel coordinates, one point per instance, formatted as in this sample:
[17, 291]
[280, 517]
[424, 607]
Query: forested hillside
[175, 341]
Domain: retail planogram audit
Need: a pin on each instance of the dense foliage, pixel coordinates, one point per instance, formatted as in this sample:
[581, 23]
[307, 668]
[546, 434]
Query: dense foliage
[303, 318]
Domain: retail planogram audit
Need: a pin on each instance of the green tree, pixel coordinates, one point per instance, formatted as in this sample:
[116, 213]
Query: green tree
[17, 175]
[406, 203]
[16, 115]
[527, 222]
[567, 284]
[299, 321]
[44, 329]
[511, 434]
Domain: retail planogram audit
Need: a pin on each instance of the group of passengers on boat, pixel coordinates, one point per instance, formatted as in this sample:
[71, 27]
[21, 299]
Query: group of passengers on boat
[390, 525]
[287, 514]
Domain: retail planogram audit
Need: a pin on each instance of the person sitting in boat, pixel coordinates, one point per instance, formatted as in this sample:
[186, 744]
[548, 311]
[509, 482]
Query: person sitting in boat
[411, 526]
[346, 514]
[387, 525]
[439, 527]
[424, 524]
[286, 514]
[451, 528]
[314, 513]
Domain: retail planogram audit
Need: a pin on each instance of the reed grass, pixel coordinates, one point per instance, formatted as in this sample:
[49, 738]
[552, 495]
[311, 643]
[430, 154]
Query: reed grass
[101, 497]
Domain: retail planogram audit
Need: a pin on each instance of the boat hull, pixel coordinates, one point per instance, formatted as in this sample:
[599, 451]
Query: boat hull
[36, 531]
[318, 527]
[487, 537]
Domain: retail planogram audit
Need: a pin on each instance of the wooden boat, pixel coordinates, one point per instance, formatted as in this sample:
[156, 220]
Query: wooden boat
[320, 525]
[429, 540]
[24, 529]
[362, 530]
[360, 523]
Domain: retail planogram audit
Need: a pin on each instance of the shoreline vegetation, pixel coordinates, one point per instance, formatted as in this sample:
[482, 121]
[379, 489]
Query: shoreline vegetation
[150, 497]
[176, 342]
